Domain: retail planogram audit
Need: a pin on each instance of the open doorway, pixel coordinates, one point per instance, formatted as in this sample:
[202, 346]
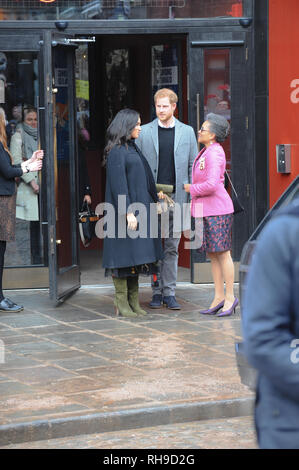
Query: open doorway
[113, 73]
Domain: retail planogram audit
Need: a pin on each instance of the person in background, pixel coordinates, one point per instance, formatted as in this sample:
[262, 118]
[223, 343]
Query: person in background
[23, 144]
[170, 148]
[8, 173]
[270, 323]
[12, 123]
[84, 183]
[210, 196]
[129, 181]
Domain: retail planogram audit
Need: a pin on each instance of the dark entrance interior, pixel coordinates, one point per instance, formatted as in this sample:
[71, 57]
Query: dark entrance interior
[113, 73]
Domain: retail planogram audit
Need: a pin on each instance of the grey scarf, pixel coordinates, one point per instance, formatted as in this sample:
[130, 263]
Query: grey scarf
[29, 140]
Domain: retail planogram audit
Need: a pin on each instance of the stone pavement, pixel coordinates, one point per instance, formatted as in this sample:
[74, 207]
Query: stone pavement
[78, 369]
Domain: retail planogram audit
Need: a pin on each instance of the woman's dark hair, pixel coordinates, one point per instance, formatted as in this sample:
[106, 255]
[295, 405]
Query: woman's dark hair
[120, 130]
[218, 126]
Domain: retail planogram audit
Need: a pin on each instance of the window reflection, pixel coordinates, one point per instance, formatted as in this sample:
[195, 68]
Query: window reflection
[118, 9]
[19, 72]
[217, 97]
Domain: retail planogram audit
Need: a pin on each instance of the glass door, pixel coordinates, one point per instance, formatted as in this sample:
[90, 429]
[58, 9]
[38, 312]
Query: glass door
[60, 138]
[219, 84]
[26, 256]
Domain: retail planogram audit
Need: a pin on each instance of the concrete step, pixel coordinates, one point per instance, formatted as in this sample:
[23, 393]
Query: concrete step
[122, 420]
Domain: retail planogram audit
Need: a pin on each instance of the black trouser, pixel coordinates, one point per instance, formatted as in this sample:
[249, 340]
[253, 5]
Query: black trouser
[35, 245]
[2, 253]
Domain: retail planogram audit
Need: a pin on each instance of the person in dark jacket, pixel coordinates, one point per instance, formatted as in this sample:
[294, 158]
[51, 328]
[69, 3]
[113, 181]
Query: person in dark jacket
[129, 252]
[271, 329]
[8, 173]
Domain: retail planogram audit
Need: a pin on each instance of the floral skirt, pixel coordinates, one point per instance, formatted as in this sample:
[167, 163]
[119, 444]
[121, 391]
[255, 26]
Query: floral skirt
[8, 217]
[217, 233]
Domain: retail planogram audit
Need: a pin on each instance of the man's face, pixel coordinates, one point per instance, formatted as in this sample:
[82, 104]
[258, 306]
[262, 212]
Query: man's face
[164, 109]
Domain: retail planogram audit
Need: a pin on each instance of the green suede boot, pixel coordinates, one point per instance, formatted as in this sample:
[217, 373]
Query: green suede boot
[121, 298]
[133, 295]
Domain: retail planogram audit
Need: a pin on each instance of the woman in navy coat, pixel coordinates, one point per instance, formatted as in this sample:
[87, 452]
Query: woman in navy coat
[8, 173]
[132, 245]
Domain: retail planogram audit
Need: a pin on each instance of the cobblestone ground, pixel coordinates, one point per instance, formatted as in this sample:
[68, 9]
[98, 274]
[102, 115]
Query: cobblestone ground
[232, 433]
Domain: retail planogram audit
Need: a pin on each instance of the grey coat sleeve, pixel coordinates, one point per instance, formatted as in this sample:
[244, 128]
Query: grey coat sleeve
[268, 303]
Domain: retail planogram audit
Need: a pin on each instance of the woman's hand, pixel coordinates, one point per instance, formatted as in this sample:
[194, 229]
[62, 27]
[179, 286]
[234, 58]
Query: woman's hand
[87, 199]
[32, 166]
[34, 186]
[161, 195]
[37, 155]
[187, 188]
[132, 221]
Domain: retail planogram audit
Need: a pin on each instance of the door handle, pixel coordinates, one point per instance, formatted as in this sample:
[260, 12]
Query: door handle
[198, 110]
[58, 242]
[198, 114]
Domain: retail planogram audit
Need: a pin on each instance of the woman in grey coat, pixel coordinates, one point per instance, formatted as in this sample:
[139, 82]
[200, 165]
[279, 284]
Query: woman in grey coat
[23, 144]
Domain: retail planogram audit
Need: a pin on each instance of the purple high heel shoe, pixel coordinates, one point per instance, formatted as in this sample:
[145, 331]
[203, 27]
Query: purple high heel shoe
[212, 311]
[227, 313]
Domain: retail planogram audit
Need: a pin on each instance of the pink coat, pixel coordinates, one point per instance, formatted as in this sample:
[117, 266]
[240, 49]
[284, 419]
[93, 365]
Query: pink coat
[209, 196]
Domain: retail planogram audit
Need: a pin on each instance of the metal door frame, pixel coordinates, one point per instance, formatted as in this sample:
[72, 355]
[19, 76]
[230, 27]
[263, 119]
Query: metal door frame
[31, 276]
[240, 73]
[61, 283]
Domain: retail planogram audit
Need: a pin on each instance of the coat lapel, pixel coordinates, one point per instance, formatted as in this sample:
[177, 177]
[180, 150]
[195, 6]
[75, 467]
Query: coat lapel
[177, 134]
[155, 136]
[198, 157]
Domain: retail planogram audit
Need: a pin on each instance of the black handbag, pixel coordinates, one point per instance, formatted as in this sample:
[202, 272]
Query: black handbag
[87, 223]
[236, 201]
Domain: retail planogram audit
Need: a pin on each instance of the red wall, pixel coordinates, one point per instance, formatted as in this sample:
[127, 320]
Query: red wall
[283, 90]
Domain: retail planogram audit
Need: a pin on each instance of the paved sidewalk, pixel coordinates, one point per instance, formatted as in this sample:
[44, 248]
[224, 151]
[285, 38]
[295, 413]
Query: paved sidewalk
[79, 360]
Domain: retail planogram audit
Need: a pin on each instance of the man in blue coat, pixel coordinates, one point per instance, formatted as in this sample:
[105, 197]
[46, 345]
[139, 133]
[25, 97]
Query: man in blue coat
[170, 148]
[271, 329]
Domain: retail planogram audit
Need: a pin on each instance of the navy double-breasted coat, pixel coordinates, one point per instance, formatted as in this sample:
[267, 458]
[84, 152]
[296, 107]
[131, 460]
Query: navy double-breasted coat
[127, 185]
[271, 330]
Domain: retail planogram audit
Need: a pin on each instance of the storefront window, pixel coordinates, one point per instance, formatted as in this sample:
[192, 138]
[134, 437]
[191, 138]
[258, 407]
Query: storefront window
[19, 73]
[165, 73]
[117, 9]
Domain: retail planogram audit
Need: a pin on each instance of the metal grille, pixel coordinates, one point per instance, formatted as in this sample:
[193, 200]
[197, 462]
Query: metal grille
[16, 4]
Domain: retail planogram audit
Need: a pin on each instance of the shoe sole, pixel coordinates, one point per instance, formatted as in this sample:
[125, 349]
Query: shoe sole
[172, 308]
[11, 311]
[155, 306]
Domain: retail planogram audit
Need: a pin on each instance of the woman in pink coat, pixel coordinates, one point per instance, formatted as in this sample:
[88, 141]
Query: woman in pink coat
[211, 201]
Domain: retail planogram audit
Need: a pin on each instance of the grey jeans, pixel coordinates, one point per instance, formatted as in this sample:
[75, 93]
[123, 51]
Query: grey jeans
[168, 266]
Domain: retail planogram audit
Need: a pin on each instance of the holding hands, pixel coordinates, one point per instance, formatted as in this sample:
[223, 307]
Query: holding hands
[35, 163]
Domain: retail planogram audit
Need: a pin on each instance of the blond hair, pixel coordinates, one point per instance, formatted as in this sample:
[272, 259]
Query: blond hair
[166, 93]
[3, 138]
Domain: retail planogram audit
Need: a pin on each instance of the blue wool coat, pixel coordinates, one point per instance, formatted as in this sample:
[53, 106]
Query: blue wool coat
[271, 330]
[126, 176]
